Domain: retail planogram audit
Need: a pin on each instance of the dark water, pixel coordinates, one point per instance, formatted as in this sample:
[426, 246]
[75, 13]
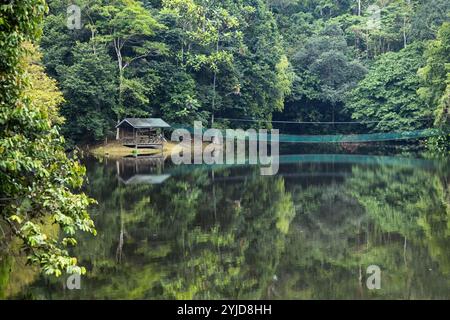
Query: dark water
[310, 232]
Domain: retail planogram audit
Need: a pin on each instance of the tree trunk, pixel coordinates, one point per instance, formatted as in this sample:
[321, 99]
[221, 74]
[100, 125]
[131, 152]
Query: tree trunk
[117, 47]
[120, 102]
[214, 86]
[213, 99]
[405, 40]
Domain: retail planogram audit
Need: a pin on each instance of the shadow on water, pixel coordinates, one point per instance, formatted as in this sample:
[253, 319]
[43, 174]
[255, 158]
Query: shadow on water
[214, 232]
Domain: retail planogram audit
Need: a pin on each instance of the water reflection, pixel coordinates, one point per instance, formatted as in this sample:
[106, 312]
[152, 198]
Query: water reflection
[141, 169]
[227, 232]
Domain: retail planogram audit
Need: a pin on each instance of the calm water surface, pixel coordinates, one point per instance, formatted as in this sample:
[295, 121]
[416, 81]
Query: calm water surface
[311, 232]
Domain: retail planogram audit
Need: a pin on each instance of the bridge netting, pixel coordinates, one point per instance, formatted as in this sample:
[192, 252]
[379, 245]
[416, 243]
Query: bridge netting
[330, 132]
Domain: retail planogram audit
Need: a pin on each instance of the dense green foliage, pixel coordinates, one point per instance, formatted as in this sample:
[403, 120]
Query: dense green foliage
[435, 90]
[387, 98]
[37, 178]
[182, 60]
[381, 63]
[206, 60]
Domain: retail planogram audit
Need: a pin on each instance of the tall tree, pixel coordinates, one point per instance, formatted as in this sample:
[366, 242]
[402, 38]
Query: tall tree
[386, 98]
[326, 69]
[37, 177]
[428, 16]
[435, 87]
[128, 27]
[90, 88]
[435, 76]
[208, 32]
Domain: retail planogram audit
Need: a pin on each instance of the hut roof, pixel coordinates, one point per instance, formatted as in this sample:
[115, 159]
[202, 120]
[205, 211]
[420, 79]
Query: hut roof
[144, 123]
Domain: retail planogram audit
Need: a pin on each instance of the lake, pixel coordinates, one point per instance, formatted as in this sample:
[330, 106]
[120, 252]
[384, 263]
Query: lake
[311, 232]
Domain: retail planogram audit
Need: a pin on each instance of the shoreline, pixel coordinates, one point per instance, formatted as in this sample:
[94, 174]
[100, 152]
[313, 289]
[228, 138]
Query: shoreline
[117, 150]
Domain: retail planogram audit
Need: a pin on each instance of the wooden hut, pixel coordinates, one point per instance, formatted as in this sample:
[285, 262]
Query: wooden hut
[142, 132]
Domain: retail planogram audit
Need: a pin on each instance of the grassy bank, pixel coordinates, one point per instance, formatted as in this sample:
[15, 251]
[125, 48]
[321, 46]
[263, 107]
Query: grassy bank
[116, 149]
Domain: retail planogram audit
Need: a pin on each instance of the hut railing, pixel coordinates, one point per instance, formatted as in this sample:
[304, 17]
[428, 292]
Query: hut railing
[142, 140]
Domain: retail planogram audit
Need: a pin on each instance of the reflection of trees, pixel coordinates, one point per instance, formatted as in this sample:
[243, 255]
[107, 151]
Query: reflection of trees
[412, 203]
[324, 240]
[191, 237]
[204, 235]
[393, 217]
[15, 273]
[236, 252]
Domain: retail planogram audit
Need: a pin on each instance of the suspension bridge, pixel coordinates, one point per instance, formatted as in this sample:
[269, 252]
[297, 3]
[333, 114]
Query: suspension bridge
[398, 135]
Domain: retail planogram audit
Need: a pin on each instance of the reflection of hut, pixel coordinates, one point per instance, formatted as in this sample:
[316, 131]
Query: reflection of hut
[141, 170]
[142, 132]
